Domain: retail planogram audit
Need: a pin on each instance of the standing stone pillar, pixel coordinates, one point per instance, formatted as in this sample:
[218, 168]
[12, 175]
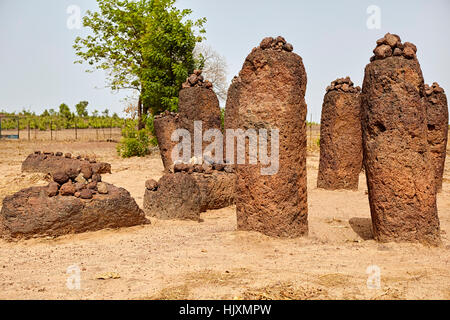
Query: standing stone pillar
[397, 159]
[165, 124]
[340, 137]
[437, 118]
[269, 94]
[198, 102]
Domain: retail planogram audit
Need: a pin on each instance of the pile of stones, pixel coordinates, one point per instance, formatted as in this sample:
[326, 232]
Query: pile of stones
[197, 80]
[84, 185]
[434, 88]
[391, 45]
[278, 43]
[50, 162]
[343, 85]
[203, 168]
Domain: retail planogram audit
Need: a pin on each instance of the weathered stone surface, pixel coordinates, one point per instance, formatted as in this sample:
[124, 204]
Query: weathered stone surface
[31, 213]
[340, 140]
[52, 189]
[269, 93]
[397, 160]
[184, 196]
[86, 193]
[60, 177]
[437, 120]
[165, 124]
[199, 104]
[47, 163]
[102, 188]
[67, 189]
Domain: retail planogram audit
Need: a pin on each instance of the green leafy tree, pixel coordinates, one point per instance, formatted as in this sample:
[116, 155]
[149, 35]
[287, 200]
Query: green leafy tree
[81, 108]
[105, 113]
[144, 45]
[64, 111]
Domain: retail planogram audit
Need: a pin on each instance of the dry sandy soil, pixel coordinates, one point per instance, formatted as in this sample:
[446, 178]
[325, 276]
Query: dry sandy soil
[211, 260]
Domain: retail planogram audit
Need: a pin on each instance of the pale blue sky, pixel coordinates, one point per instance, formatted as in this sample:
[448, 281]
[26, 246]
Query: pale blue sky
[36, 56]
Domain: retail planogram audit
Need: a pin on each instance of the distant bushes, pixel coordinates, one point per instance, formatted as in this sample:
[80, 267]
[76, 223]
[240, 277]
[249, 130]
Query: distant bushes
[134, 143]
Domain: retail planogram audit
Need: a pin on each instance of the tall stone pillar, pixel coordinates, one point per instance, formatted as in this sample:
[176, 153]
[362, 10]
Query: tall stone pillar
[437, 120]
[340, 137]
[165, 124]
[270, 94]
[400, 176]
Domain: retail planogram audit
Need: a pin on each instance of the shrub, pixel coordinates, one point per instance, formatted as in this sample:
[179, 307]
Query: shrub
[134, 142]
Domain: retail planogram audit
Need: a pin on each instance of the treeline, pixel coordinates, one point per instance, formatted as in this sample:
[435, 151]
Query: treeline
[64, 118]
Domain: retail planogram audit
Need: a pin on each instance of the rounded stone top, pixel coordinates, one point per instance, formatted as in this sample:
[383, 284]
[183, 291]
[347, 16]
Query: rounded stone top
[391, 45]
[343, 85]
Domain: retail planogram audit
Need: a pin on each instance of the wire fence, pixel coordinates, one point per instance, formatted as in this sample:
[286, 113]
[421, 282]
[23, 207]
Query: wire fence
[29, 130]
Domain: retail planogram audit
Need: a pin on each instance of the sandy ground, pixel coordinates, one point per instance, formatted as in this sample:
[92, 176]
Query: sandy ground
[211, 260]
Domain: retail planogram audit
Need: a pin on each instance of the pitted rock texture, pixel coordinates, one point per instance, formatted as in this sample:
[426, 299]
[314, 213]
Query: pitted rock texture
[199, 104]
[437, 120]
[184, 196]
[269, 94]
[31, 213]
[49, 163]
[340, 138]
[397, 160]
[165, 124]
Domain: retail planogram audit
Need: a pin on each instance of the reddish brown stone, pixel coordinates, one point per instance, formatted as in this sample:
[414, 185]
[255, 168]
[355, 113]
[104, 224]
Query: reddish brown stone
[437, 118]
[184, 196]
[60, 177]
[67, 189]
[52, 189]
[86, 194]
[165, 124]
[30, 213]
[340, 141]
[86, 171]
[269, 93]
[46, 163]
[199, 104]
[397, 160]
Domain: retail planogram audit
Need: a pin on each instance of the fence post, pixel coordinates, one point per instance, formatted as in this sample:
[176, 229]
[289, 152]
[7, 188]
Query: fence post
[51, 130]
[29, 138]
[76, 132]
[35, 129]
[18, 129]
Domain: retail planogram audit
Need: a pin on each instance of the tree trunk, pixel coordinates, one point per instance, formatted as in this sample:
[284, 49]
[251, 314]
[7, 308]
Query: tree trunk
[141, 124]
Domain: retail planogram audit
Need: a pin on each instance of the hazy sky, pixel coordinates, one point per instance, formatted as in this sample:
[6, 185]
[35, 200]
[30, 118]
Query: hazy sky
[36, 56]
